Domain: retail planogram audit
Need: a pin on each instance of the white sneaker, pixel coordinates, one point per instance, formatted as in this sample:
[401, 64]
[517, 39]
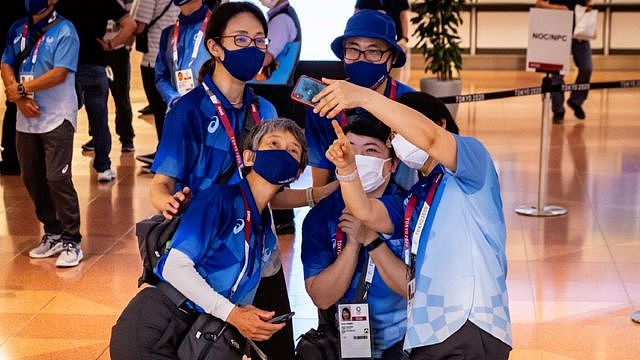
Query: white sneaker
[71, 255]
[106, 175]
[50, 245]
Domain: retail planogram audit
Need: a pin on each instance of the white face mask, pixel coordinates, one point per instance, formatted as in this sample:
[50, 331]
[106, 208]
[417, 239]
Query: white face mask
[370, 172]
[411, 155]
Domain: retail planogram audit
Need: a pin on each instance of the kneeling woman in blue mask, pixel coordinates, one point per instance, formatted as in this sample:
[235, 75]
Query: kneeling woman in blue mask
[224, 241]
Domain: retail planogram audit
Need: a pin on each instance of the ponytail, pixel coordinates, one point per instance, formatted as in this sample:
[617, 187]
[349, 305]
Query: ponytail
[206, 69]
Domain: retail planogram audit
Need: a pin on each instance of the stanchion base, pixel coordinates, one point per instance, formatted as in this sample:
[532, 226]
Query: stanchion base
[635, 317]
[550, 210]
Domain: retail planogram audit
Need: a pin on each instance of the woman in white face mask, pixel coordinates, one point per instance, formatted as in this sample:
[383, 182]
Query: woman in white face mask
[452, 224]
[337, 248]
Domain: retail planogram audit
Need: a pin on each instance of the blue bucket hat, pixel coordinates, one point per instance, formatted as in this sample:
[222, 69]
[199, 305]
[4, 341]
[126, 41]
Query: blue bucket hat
[370, 24]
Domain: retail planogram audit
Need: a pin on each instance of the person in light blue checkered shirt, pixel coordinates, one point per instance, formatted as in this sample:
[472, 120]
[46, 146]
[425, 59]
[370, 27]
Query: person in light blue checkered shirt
[455, 245]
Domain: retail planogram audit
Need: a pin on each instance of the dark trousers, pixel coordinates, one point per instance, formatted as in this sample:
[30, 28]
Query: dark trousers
[94, 87]
[395, 352]
[581, 51]
[272, 296]
[468, 343]
[150, 328]
[119, 62]
[158, 107]
[9, 155]
[45, 161]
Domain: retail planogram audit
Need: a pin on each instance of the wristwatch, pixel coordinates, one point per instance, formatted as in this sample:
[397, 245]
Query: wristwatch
[21, 90]
[374, 244]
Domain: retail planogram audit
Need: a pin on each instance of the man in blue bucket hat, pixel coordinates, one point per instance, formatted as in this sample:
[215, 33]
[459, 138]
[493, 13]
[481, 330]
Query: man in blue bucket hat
[368, 51]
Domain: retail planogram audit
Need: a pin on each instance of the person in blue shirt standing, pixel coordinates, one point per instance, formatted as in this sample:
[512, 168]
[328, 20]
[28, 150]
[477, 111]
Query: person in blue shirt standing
[181, 54]
[220, 250]
[368, 50]
[452, 224]
[38, 70]
[336, 247]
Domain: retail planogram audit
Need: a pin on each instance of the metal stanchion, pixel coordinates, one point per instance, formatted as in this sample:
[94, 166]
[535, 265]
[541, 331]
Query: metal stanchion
[541, 209]
[635, 317]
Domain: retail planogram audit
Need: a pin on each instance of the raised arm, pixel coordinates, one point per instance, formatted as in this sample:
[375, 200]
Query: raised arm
[415, 127]
[371, 212]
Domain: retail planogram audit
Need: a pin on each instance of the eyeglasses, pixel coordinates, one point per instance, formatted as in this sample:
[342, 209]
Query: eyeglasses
[351, 53]
[244, 41]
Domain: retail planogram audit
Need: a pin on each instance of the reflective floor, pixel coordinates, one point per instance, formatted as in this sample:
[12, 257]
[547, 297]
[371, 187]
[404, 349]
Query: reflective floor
[573, 280]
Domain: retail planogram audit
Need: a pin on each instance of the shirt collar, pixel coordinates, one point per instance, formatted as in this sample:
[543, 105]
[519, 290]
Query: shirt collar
[195, 17]
[256, 218]
[277, 8]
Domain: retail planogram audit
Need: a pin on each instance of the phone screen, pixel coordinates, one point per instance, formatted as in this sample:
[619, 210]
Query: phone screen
[306, 88]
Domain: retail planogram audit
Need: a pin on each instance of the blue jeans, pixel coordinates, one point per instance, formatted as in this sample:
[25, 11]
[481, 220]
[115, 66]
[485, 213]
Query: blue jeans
[581, 51]
[94, 86]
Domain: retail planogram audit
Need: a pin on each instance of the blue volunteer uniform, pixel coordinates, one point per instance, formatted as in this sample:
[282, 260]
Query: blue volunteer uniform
[57, 48]
[461, 263]
[195, 149]
[191, 33]
[212, 233]
[320, 135]
[388, 310]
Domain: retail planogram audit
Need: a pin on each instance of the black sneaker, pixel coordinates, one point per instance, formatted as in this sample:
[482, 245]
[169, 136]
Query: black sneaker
[558, 118]
[127, 146]
[577, 110]
[146, 110]
[9, 169]
[147, 159]
[89, 146]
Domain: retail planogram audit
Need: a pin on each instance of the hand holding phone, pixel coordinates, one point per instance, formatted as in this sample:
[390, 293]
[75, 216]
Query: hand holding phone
[281, 318]
[305, 89]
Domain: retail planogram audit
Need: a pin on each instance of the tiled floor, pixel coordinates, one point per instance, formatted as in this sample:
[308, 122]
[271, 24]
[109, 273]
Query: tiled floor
[573, 280]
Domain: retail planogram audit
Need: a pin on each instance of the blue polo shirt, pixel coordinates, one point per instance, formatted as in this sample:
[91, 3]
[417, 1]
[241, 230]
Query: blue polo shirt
[461, 263]
[165, 68]
[59, 49]
[320, 135]
[212, 234]
[195, 148]
[388, 310]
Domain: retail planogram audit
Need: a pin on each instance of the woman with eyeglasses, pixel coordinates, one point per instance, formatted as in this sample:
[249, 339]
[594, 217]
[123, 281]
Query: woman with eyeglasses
[204, 130]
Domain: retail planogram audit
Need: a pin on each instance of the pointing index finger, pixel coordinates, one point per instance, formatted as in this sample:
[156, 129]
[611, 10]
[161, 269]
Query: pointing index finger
[338, 130]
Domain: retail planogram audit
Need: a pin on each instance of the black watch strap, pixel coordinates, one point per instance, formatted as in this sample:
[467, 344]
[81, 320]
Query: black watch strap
[374, 244]
[21, 90]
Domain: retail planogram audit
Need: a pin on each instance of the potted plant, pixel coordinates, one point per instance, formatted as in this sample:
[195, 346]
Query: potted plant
[437, 24]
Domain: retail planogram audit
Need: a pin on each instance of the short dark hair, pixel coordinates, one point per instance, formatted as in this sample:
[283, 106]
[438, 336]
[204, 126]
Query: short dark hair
[431, 107]
[252, 141]
[365, 124]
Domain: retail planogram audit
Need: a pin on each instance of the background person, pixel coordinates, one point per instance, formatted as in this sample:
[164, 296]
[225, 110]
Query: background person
[581, 51]
[452, 224]
[42, 86]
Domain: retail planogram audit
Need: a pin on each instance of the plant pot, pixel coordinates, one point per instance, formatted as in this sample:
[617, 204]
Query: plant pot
[437, 88]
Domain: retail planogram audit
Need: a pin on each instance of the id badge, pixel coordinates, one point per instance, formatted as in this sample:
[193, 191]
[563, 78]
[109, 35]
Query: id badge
[411, 292]
[24, 78]
[184, 81]
[355, 331]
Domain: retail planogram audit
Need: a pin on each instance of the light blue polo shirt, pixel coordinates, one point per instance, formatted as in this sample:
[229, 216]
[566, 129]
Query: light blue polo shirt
[212, 234]
[165, 68]
[388, 310]
[195, 148]
[59, 49]
[461, 263]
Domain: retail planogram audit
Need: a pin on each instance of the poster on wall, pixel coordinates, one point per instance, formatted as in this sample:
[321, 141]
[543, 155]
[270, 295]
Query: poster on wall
[549, 44]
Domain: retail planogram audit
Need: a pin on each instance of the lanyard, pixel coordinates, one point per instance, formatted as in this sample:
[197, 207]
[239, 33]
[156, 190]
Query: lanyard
[371, 267]
[196, 43]
[410, 257]
[393, 94]
[227, 125]
[36, 50]
[247, 242]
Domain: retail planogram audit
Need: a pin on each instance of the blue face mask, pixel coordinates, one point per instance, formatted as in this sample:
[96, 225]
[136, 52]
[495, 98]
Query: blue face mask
[365, 73]
[35, 7]
[278, 167]
[243, 64]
